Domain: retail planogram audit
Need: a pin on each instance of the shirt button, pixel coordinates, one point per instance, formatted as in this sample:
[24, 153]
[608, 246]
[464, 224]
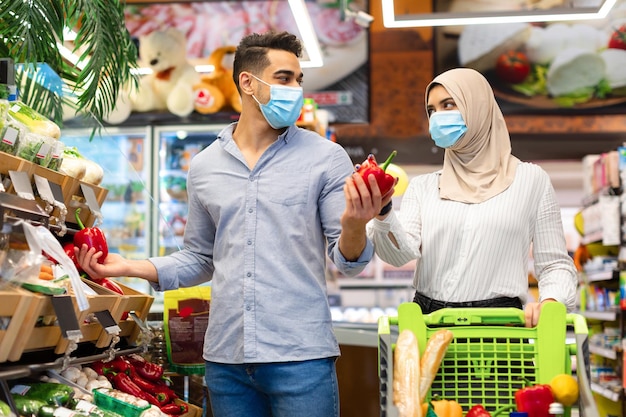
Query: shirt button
[251, 179]
[248, 308]
[249, 274]
[249, 242]
[250, 210]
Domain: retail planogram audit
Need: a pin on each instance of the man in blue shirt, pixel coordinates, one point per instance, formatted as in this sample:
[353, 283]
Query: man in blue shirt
[268, 201]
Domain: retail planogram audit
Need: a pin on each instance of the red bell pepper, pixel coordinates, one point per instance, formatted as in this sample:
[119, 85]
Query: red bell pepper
[535, 400]
[93, 237]
[385, 181]
[68, 248]
[478, 411]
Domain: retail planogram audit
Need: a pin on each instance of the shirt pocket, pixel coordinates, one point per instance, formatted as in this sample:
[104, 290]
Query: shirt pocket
[289, 186]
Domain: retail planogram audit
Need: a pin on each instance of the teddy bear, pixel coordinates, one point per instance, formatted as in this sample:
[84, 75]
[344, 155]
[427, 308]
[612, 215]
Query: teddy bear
[217, 90]
[169, 87]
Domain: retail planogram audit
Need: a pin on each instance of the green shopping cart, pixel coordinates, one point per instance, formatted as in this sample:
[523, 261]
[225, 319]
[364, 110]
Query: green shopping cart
[492, 354]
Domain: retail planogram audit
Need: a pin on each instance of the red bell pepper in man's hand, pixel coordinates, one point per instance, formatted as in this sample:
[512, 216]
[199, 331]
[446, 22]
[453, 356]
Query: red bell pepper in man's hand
[385, 181]
[93, 237]
[535, 400]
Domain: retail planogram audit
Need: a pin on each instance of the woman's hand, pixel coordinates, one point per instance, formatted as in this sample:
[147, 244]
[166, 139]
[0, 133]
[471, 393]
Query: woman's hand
[532, 311]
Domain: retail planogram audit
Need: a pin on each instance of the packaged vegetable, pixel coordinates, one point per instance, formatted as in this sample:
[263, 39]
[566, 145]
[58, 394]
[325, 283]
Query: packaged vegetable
[11, 135]
[30, 145]
[34, 121]
[56, 155]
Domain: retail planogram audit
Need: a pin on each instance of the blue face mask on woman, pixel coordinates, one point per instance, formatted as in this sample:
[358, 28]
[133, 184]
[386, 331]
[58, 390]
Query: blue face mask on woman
[284, 106]
[446, 127]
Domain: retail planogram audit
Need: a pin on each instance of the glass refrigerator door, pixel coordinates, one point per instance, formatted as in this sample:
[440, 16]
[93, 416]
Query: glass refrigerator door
[123, 154]
[177, 145]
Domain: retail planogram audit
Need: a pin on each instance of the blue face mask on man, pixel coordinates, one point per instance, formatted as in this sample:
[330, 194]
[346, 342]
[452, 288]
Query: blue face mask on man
[446, 127]
[284, 106]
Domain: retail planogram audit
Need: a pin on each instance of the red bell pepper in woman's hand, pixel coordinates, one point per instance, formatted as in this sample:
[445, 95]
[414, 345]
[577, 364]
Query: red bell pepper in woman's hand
[384, 180]
[535, 400]
[93, 237]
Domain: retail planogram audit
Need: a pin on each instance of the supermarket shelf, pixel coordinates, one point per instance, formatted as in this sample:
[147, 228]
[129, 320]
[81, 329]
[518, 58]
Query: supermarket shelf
[609, 315]
[605, 392]
[592, 237]
[602, 351]
[25, 370]
[601, 275]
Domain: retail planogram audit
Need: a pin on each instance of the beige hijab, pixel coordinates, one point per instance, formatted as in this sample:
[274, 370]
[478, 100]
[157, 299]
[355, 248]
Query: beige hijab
[480, 165]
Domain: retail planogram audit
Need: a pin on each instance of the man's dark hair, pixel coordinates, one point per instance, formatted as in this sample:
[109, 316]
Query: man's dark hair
[251, 54]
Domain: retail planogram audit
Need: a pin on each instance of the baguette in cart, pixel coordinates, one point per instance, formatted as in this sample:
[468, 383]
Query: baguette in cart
[477, 356]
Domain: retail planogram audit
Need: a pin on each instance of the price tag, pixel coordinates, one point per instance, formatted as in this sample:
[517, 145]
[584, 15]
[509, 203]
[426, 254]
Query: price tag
[44, 189]
[107, 322]
[90, 198]
[57, 192]
[142, 325]
[21, 184]
[68, 322]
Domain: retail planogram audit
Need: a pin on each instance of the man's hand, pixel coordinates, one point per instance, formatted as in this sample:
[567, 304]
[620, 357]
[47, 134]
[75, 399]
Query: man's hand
[88, 260]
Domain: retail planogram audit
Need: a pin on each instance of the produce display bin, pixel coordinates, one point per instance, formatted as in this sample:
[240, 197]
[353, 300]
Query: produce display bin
[138, 302]
[132, 300]
[89, 327]
[73, 197]
[491, 355]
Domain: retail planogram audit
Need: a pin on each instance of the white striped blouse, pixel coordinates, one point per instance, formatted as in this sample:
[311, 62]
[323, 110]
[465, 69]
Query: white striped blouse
[469, 252]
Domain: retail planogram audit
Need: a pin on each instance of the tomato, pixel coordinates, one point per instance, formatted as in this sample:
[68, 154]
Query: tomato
[618, 38]
[513, 67]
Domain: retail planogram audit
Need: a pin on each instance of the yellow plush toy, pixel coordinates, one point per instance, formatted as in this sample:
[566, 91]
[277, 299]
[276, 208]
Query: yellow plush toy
[217, 90]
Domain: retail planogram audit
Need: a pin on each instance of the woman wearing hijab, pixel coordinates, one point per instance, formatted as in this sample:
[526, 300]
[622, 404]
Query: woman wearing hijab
[471, 225]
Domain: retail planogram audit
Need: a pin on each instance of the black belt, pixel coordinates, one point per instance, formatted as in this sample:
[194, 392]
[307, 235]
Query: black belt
[429, 305]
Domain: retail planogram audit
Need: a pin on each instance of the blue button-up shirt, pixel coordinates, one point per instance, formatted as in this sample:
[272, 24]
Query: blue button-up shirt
[262, 236]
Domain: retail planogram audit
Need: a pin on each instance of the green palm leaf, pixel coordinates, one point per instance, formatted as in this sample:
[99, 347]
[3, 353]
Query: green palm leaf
[31, 32]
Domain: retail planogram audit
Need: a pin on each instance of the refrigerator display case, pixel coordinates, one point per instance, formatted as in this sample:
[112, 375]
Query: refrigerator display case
[145, 173]
[124, 155]
[177, 145]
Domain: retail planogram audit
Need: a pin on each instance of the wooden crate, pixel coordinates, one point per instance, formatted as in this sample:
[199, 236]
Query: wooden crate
[40, 330]
[9, 162]
[90, 328]
[15, 303]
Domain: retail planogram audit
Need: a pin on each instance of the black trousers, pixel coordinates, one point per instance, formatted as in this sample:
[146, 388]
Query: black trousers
[429, 305]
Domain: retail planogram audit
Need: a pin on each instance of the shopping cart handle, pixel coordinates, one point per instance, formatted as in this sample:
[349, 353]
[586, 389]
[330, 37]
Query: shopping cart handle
[474, 316]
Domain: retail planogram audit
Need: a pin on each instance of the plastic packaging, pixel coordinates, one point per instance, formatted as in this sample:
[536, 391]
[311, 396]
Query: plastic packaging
[30, 145]
[56, 155]
[11, 134]
[34, 121]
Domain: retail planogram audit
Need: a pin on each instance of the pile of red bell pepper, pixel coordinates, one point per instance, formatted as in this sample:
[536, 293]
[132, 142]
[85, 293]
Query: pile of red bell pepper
[136, 376]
